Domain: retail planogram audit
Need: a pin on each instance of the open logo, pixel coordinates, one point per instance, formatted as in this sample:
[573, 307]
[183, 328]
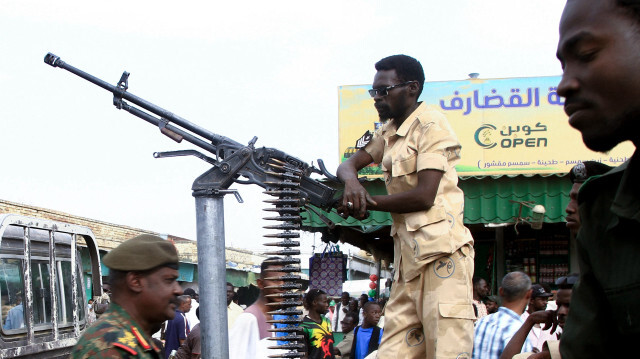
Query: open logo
[484, 136]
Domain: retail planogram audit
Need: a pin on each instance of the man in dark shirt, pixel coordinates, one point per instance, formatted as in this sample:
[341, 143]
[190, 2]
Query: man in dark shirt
[178, 328]
[599, 50]
[579, 174]
[192, 347]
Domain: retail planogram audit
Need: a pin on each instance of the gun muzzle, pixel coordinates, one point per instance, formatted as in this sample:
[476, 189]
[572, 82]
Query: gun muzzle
[52, 59]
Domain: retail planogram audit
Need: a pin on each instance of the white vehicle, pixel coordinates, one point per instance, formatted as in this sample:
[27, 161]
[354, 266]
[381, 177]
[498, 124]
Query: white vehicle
[43, 300]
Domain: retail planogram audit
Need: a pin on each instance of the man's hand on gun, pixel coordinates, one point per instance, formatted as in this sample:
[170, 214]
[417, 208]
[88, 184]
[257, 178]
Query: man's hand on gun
[355, 200]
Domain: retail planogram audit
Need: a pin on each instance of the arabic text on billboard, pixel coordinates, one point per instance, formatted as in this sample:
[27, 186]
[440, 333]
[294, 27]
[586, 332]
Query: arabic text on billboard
[506, 126]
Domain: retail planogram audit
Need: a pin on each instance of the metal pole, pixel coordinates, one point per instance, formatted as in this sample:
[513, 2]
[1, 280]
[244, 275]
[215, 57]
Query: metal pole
[212, 276]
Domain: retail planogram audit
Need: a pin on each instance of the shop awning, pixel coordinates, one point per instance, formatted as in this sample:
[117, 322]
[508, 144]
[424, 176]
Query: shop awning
[240, 278]
[487, 200]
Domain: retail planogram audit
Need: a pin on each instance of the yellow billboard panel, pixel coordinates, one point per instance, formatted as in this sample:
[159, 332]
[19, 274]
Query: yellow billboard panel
[506, 126]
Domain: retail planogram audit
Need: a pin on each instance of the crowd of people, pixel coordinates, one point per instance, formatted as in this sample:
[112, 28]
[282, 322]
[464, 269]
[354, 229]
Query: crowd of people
[352, 329]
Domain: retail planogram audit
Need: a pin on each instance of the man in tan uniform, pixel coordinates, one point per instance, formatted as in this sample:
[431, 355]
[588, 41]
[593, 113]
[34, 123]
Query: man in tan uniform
[429, 313]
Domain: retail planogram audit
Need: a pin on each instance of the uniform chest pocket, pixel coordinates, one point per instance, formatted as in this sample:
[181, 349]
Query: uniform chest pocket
[404, 165]
[625, 309]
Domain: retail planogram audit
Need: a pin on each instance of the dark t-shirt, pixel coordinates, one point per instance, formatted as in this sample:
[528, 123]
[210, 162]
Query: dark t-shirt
[177, 329]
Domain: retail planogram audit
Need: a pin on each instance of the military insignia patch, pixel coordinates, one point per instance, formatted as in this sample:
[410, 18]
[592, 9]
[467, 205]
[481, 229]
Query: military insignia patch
[414, 337]
[364, 140]
[140, 338]
[444, 267]
[127, 342]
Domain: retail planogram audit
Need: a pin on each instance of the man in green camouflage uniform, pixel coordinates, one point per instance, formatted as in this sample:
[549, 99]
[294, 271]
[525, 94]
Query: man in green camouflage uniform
[144, 293]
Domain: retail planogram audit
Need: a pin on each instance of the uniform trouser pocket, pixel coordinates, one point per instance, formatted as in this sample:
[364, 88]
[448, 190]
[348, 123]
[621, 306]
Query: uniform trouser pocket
[431, 316]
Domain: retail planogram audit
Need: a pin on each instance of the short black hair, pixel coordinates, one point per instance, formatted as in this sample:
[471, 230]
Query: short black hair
[476, 280]
[368, 304]
[311, 296]
[353, 315]
[116, 281]
[190, 292]
[407, 68]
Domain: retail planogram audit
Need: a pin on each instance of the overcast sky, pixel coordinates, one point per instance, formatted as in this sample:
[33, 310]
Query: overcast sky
[269, 69]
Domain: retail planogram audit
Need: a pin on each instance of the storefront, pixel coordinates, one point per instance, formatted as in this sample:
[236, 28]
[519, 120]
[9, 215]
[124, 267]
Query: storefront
[517, 150]
[499, 213]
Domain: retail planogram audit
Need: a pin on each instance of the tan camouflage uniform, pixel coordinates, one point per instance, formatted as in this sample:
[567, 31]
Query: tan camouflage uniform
[430, 312]
[115, 335]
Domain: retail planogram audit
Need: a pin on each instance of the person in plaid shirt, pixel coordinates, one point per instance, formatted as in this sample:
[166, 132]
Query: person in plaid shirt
[493, 332]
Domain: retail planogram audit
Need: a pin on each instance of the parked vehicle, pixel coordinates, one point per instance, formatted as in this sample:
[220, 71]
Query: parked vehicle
[43, 297]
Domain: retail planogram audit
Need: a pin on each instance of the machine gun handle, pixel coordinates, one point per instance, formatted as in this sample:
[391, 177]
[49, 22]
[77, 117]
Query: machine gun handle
[323, 171]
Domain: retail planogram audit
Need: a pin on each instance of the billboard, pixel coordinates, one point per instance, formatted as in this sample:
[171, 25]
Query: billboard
[505, 126]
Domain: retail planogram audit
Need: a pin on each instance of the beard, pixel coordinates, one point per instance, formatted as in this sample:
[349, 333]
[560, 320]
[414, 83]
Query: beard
[384, 112]
[627, 127]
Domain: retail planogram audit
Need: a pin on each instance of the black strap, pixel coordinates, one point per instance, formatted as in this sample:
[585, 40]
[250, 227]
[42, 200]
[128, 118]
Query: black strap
[375, 338]
[355, 340]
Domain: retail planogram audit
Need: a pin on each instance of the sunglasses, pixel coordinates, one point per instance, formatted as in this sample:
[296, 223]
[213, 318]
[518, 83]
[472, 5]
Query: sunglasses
[384, 91]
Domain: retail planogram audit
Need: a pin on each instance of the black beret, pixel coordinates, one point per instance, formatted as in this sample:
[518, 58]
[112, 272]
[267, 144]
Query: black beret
[142, 253]
[583, 170]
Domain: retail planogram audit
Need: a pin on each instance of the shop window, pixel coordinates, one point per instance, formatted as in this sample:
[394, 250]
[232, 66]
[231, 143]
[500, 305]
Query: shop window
[12, 294]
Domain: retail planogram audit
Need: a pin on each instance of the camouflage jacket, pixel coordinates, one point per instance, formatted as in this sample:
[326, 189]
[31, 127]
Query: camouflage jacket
[115, 335]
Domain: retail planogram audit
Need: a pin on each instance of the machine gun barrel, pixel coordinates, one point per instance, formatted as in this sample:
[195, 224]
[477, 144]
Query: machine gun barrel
[234, 159]
[120, 91]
